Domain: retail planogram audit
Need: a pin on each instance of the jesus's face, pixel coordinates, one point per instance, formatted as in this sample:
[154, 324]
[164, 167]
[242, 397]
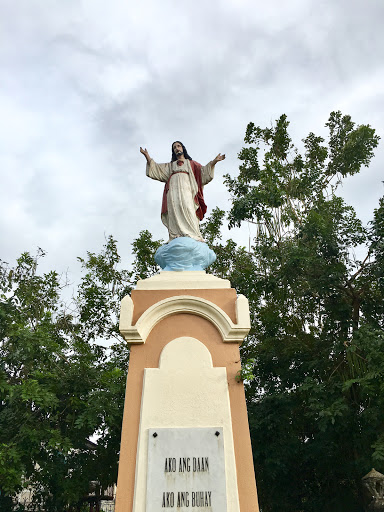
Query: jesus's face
[177, 149]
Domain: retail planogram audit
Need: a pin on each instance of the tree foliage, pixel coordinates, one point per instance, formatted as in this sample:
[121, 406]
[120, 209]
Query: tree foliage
[315, 395]
[62, 378]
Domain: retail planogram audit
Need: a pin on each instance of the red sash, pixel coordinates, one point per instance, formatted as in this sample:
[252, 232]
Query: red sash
[199, 197]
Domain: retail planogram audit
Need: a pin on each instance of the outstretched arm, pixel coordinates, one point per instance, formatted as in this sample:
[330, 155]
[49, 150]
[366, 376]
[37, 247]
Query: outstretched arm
[207, 171]
[146, 154]
[218, 158]
[160, 172]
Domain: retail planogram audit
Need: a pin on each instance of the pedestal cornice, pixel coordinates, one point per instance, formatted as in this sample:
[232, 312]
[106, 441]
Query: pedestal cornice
[230, 331]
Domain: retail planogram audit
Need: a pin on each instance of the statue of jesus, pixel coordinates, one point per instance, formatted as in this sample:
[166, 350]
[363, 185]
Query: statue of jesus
[183, 203]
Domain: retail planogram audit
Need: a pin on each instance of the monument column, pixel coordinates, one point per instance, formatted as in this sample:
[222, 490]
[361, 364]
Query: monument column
[185, 438]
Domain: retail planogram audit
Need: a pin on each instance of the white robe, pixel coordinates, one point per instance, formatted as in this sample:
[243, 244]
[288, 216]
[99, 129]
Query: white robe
[181, 218]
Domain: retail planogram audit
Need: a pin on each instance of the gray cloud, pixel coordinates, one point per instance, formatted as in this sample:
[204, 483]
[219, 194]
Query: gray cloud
[83, 86]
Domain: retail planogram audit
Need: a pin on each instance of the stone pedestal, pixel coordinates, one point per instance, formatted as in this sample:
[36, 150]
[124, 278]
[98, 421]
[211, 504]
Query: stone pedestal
[185, 439]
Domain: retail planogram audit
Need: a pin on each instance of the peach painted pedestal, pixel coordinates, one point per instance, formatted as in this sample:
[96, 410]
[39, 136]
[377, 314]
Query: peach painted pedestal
[184, 329]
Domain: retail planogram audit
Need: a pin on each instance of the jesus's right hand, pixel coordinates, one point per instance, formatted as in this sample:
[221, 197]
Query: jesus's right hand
[145, 153]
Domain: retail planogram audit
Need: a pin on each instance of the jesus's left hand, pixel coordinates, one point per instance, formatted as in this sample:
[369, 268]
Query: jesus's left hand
[218, 159]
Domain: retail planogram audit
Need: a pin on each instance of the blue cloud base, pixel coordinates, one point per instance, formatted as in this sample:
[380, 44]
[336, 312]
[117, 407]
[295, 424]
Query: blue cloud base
[184, 253]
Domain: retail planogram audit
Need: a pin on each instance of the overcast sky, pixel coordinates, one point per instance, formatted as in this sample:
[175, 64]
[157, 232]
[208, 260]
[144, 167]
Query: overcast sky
[83, 84]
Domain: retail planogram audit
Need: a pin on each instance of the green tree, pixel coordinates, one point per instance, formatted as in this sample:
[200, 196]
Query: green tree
[62, 376]
[315, 395]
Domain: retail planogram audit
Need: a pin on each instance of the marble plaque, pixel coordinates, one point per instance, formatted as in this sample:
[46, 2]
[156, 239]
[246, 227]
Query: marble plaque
[186, 470]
